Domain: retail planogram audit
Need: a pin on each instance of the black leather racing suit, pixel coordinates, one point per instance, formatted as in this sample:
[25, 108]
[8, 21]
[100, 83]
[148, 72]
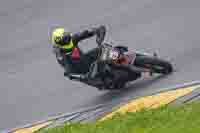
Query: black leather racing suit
[79, 69]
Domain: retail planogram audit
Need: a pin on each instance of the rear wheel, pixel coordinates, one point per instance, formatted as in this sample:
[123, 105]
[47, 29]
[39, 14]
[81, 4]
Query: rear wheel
[155, 64]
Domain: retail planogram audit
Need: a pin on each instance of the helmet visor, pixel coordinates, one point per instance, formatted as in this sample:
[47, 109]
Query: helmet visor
[66, 39]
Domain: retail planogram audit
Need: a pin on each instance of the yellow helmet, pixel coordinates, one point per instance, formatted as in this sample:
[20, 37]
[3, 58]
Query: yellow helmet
[57, 35]
[61, 38]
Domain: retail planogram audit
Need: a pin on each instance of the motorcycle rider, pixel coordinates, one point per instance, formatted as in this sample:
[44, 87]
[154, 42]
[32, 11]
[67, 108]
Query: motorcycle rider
[77, 64]
[70, 56]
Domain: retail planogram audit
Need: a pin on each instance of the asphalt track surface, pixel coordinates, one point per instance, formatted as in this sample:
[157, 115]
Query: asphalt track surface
[32, 83]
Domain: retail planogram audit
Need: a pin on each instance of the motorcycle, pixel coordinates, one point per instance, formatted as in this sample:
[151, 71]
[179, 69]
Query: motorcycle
[115, 60]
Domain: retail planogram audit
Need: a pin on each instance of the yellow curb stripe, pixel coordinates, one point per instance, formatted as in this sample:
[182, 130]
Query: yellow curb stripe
[33, 128]
[153, 101]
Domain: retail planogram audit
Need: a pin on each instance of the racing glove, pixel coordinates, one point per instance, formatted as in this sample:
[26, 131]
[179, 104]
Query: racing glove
[100, 32]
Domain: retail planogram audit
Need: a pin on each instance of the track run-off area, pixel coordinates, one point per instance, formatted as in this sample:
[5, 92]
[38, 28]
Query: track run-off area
[184, 93]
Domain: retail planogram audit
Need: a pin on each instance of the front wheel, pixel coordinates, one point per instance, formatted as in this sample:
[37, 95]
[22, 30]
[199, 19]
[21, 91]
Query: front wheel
[155, 64]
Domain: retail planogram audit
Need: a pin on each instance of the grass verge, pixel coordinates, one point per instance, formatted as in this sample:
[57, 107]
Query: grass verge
[182, 119]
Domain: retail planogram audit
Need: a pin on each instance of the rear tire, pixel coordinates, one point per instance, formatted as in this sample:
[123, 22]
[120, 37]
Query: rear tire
[155, 64]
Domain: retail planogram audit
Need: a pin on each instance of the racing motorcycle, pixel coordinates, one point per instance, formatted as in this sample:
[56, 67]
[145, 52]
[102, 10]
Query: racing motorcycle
[114, 63]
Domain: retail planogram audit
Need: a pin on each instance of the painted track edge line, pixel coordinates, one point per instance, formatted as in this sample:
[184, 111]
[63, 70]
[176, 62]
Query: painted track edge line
[151, 101]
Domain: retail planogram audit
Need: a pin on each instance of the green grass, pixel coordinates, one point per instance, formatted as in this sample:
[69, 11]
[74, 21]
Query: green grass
[167, 119]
